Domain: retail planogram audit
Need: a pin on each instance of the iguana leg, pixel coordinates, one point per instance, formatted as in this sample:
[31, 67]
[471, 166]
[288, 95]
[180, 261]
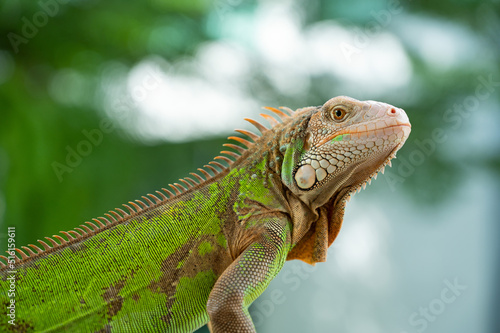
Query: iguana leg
[246, 278]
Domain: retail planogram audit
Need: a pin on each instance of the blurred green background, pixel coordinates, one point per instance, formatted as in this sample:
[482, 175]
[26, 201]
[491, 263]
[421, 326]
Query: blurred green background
[104, 101]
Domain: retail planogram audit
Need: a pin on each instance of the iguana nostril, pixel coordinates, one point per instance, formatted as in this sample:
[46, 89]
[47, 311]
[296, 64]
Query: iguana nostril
[392, 112]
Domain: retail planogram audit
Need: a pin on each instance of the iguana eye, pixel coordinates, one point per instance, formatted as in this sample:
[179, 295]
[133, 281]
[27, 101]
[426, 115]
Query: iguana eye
[338, 114]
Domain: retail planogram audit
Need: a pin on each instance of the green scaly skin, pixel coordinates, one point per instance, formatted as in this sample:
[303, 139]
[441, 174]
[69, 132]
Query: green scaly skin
[207, 253]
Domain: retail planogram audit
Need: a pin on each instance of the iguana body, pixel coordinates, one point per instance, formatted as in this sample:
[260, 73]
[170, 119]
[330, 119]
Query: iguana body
[208, 250]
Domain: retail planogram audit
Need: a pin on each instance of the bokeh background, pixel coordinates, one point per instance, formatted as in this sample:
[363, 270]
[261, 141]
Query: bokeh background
[104, 101]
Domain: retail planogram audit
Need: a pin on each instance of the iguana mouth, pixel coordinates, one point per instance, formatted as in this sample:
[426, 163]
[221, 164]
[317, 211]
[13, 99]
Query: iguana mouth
[350, 131]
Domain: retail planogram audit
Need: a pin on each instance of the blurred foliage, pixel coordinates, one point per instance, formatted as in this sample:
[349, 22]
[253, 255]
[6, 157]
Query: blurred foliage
[35, 129]
[82, 37]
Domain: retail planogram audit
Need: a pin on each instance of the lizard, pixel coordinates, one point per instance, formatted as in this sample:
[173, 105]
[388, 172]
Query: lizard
[202, 251]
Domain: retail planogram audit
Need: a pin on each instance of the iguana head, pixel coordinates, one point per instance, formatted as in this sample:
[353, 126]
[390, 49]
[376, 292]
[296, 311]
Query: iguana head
[339, 148]
[346, 143]
[322, 155]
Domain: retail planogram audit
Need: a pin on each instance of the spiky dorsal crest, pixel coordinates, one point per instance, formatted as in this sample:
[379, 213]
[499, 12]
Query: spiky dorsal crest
[152, 201]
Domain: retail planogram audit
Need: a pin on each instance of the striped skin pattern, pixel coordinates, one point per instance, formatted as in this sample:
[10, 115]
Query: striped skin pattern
[206, 249]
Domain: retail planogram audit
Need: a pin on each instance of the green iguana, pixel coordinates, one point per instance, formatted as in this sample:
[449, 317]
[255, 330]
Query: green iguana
[204, 251]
